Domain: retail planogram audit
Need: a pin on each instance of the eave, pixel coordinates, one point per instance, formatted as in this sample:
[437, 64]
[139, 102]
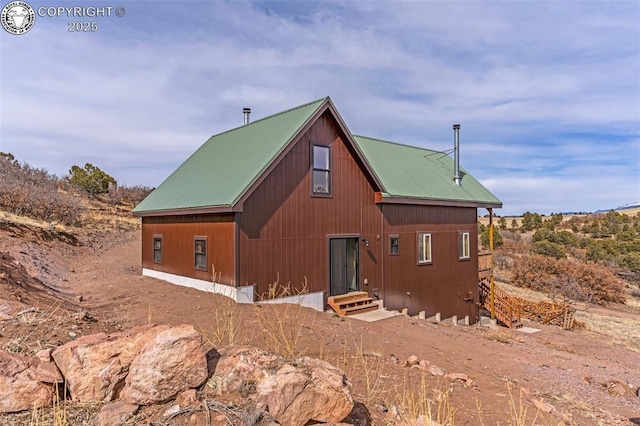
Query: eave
[381, 198]
[190, 211]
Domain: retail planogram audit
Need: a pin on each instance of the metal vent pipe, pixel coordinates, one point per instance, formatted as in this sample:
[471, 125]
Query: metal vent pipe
[456, 154]
[246, 112]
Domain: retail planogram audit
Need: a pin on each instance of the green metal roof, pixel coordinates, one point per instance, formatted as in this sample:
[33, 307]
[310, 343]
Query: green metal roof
[411, 172]
[220, 172]
[224, 167]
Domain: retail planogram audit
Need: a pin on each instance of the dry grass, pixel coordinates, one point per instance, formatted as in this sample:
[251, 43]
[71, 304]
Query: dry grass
[282, 324]
[23, 220]
[62, 414]
[502, 335]
[35, 318]
[565, 218]
[623, 330]
[110, 218]
[422, 405]
[518, 408]
[524, 293]
[368, 367]
[226, 327]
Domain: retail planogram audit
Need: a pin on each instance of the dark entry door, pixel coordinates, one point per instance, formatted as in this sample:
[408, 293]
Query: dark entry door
[343, 254]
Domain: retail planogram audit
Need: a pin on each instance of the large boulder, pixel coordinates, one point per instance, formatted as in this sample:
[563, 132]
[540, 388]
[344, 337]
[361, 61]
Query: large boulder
[293, 392]
[95, 366]
[25, 382]
[172, 362]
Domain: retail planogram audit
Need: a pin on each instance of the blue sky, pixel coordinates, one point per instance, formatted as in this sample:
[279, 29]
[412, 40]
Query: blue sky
[547, 93]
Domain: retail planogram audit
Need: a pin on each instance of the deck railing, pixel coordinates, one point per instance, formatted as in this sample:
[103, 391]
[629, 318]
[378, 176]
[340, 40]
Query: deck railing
[485, 264]
[508, 309]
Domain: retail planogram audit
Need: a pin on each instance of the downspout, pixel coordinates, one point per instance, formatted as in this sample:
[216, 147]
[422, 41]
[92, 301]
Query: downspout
[382, 252]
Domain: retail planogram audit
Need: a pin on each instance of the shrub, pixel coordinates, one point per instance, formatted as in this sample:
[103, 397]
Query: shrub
[547, 248]
[631, 261]
[27, 191]
[541, 235]
[497, 238]
[602, 250]
[564, 238]
[91, 179]
[554, 220]
[568, 279]
[130, 194]
[530, 221]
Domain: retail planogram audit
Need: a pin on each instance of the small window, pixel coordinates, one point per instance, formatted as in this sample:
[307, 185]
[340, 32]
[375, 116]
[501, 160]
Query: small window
[394, 245]
[201, 253]
[157, 249]
[321, 173]
[424, 248]
[463, 246]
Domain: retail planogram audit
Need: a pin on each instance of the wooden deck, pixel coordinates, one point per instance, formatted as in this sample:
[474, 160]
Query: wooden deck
[485, 264]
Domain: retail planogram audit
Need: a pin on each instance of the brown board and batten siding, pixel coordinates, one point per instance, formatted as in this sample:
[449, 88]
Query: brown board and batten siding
[444, 284]
[178, 245]
[284, 230]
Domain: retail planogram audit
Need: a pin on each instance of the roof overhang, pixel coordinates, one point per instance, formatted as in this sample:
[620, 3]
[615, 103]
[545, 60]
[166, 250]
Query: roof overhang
[197, 210]
[382, 198]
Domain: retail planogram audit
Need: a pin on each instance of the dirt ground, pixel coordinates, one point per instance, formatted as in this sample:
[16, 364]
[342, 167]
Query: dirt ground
[71, 283]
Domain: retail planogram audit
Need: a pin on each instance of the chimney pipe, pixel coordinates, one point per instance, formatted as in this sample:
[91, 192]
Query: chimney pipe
[456, 154]
[246, 112]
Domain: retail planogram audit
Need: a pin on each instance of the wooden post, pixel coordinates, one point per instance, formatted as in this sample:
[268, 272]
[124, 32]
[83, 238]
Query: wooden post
[492, 300]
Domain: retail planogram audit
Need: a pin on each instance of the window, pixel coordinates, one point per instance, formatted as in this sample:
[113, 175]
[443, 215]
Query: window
[394, 245]
[424, 248]
[157, 249]
[321, 173]
[201, 253]
[464, 251]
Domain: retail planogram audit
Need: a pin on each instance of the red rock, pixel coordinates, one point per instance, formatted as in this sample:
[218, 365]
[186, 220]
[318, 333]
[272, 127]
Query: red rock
[187, 398]
[295, 392]
[435, 370]
[171, 362]
[20, 388]
[543, 406]
[411, 361]
[115, 414]
[457, 376]
[95, 366]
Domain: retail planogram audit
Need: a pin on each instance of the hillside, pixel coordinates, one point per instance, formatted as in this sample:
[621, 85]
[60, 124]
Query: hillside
[61, 281]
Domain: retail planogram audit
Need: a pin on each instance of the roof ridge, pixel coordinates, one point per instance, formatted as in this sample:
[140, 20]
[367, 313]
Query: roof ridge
[400, 144]
[270, 116]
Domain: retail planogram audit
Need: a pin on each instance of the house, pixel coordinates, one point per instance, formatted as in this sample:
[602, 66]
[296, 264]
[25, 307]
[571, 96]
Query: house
[296, 198]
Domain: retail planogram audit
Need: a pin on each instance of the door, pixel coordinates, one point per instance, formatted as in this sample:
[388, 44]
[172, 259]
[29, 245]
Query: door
[343, 261]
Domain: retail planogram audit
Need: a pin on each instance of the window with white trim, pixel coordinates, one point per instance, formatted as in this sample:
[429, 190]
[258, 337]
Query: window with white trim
[464, 247]
[424, 248]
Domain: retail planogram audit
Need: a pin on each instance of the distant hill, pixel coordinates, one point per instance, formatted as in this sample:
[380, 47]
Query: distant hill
[623, 207]
[629, 206]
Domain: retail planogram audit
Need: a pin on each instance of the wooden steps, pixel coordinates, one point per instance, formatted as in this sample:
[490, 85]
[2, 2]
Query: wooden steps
[356, 302]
